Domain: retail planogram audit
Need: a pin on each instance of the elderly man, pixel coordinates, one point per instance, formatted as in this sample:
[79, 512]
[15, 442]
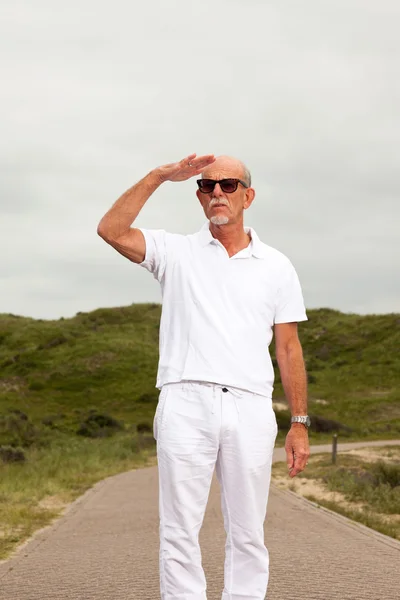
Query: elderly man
[224, 295]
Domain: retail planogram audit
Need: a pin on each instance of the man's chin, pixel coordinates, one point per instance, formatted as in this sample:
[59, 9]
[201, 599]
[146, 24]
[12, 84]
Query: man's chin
[219, 220]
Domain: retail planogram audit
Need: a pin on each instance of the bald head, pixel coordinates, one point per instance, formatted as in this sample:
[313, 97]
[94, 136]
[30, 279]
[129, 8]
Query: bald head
[228, 166]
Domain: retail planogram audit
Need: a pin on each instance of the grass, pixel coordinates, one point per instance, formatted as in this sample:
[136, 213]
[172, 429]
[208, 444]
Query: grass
[32, 494]
[76, 393]
[106, 360]
[365, 490]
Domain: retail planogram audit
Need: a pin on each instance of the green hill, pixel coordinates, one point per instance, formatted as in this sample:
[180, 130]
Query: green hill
[96, 372]
[77, 399]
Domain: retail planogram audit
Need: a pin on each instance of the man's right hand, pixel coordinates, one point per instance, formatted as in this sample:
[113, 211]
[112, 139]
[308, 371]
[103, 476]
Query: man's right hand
[184, 169]
[115, 227]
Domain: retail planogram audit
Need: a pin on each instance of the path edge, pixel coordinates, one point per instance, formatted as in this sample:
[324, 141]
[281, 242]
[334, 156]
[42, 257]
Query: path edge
[381, 537]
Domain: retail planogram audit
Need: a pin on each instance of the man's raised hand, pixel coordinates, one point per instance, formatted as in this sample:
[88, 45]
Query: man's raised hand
[186, 168]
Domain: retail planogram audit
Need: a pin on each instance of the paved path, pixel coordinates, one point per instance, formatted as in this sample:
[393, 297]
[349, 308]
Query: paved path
[105, 547]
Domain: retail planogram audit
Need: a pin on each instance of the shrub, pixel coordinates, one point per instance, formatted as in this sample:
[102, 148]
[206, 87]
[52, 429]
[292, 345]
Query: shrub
[283, 419]
[323, 352]
[144, 428]
[36, 386]
[322, 425]
[21, 415]
[99, 425]
[52, 343]
[16, 430]
[148, 398]
[311, 378]
[386, 473]
[369, 485]
[144, 440]
[8, 454]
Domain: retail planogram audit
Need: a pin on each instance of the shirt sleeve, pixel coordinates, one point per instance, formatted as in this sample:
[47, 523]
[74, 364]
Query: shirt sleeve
[290, 303]
[156, 253]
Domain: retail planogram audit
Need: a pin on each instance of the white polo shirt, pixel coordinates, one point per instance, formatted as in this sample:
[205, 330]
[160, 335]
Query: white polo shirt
[218, 312]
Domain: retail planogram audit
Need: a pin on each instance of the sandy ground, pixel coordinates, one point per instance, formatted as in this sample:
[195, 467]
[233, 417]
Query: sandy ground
[375, 454]
[52, 503]
[283, 405]
[312, 488]
[279, 406]
[316, 490]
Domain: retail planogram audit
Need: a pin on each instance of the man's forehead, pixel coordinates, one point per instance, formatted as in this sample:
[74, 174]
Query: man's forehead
[223, 168]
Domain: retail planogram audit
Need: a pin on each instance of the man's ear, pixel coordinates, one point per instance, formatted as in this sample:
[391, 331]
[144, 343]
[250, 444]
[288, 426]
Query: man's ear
[250, 195]
[199, 195]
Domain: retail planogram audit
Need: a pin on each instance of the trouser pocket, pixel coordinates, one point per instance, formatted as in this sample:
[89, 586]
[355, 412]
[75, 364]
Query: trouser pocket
[160, 411]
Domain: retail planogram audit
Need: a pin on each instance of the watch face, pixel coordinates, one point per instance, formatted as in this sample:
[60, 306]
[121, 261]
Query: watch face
[308, 421]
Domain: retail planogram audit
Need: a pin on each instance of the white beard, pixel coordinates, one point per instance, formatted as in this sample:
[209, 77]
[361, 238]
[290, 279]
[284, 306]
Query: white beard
[219, 220]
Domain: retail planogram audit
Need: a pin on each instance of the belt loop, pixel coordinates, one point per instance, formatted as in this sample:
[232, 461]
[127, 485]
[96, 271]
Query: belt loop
[213, 390]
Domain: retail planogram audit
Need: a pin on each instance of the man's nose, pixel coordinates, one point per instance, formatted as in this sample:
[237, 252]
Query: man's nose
[217, 191]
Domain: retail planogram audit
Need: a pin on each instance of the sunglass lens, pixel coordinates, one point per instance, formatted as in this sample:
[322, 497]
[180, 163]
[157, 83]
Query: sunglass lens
[206, 185]
[228, 185]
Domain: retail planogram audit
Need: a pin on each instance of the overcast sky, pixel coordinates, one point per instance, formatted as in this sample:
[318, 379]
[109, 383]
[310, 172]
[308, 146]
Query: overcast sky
[95, 94]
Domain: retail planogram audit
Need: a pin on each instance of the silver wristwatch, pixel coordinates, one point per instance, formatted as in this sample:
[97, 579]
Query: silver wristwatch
[303, 419]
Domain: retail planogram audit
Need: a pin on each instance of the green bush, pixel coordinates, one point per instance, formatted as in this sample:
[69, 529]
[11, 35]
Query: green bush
[99, 425]
[8, 454]
[283, 419]
[17, 430]
[376, 484]
[386, 474]
[144, 428]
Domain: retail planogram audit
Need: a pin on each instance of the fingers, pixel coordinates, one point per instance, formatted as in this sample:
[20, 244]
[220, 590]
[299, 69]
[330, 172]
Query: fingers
[297, 453]
[186, 168]
[187, 161]
[203, 161]
[289, 458]
[299, 463]
[199, 163]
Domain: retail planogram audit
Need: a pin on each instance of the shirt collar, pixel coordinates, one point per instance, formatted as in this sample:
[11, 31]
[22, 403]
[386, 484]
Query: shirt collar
[255, 246]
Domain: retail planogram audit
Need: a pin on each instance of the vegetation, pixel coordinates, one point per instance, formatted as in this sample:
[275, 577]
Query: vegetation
[35, 492]
[58, 373]
[365, 489]
[78, 396]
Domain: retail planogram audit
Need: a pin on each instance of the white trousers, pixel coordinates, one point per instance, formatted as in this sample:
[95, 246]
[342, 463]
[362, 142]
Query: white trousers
[198, 427]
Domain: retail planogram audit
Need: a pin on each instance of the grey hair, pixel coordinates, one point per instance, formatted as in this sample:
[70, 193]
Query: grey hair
[246, 175]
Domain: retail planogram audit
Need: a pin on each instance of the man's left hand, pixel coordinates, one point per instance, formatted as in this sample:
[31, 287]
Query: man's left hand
[297, 449]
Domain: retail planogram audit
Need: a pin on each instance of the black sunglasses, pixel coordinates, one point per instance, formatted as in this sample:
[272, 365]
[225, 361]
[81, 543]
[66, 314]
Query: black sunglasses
[206, 186]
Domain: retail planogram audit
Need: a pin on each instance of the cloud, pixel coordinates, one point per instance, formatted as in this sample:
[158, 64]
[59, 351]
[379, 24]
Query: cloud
[99, 94]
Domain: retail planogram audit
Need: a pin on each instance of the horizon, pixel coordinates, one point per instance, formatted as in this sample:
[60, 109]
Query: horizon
[308, 310]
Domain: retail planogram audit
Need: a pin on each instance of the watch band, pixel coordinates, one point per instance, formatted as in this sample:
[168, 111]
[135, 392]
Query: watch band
[304, 419]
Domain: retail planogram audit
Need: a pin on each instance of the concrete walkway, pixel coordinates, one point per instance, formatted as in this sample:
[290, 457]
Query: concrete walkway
[105, 547]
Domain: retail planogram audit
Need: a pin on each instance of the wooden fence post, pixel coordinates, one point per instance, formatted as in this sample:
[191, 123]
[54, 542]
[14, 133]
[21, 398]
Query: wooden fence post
[334, 448]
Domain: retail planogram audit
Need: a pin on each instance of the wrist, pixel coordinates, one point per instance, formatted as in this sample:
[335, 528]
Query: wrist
[156, 177]
[299, 425]
[303, 420]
